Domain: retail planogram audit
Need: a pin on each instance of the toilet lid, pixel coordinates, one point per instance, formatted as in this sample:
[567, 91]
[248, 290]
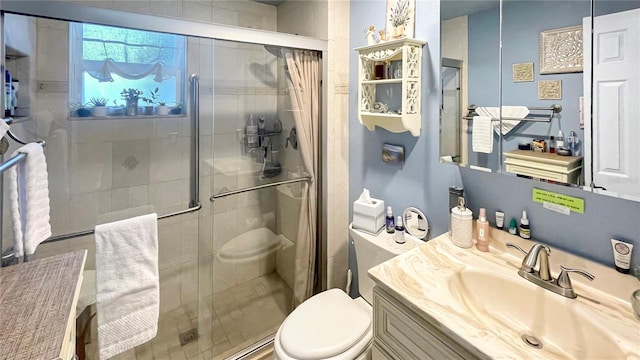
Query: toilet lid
[325, 325]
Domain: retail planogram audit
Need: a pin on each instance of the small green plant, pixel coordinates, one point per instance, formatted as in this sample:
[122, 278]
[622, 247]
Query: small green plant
[400, 13]
[130, 94]
[98, 101]
[161, 103]
[153, 96]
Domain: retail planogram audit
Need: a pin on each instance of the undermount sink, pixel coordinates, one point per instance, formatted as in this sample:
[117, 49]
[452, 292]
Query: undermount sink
[509, 303]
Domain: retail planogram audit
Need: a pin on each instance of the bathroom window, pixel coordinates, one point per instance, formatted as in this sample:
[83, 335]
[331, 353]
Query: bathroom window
[105, 60]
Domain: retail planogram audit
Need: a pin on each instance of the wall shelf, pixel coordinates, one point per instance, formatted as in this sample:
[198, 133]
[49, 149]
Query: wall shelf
[404, 112]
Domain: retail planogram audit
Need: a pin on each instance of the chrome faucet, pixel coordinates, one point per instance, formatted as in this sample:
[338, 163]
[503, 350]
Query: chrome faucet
[542, 276]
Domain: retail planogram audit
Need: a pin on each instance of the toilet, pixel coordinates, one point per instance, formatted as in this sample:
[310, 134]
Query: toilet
[331, 325]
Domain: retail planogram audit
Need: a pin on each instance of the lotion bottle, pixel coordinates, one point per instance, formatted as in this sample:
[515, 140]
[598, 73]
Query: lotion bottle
[389, 222]
[399, 235]
[525, 229]
[482, 231]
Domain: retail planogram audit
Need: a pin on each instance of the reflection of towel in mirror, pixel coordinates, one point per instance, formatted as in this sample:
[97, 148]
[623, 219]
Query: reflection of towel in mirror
[482, 136]
[517, 112]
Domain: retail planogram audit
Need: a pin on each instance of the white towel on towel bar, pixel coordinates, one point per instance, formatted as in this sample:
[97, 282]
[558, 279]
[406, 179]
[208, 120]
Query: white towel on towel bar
[516, 112]
[29, 199]
[127, 284]
[482, 135]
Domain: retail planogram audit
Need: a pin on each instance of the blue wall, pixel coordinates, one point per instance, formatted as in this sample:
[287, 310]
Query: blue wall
[423, 181]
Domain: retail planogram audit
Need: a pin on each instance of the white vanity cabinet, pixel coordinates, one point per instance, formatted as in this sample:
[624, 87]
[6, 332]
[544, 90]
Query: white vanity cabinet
[389, 81]
[401, 334]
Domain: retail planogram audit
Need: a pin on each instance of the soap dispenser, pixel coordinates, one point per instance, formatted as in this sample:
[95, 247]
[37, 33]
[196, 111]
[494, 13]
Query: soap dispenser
[461, 225]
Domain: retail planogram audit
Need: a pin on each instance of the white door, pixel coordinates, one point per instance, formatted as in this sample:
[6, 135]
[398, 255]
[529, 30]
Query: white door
[615, 131]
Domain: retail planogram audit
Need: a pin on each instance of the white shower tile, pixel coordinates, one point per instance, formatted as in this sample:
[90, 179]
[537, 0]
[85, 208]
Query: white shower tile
[226, 114]
[136, 6]
[91, 131]
[189, 237]
[167, 157]
[199, 11]
[166, 8]
[130, 163]
[169, 196]
[225, 146]
[171, 126]
[169, 289]
[169, 245]
[189, 282]
[224, 16]
[90, 167]
[129, 197]
[55, 44]
[139, 128]
[86, 208]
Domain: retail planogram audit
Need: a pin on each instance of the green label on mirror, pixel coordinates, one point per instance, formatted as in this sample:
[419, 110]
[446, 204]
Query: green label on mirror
[573, 203]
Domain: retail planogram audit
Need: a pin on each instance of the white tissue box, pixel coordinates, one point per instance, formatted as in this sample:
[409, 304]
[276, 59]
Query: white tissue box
[369, 217]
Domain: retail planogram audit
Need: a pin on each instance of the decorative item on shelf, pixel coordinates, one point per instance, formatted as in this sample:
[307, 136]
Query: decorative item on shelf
[382, 36]
[371, 35]
[380, 107]
[82, 111]
[131, 96]
[153, 96]
[561, 50]
[99, 106]
[399, 20]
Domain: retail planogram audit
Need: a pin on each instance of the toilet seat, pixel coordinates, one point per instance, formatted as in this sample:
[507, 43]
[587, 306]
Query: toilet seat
[329, 325]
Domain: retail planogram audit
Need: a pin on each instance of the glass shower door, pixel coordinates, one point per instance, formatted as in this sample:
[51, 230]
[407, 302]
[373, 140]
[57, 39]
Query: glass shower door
[125, 161]
[258, 184]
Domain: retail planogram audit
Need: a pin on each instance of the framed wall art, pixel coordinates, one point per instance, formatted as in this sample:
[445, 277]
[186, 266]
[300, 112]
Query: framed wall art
[550, 89]
[561, 50]
[400, 19]
[522, 72]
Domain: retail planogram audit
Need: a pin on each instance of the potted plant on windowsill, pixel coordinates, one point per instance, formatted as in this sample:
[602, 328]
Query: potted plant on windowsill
[399, 17]
[117, 109]
[153, 96]
[131, 96]
[99, 106]
[163, 109]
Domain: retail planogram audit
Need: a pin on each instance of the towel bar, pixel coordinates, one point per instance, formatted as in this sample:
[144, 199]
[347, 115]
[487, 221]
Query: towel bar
[554, 109]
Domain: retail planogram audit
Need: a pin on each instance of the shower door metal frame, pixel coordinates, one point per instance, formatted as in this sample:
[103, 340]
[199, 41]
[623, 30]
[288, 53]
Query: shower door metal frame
[66, 11]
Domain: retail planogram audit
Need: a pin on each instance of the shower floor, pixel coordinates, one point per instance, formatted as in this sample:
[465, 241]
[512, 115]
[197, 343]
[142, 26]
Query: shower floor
[231, 320]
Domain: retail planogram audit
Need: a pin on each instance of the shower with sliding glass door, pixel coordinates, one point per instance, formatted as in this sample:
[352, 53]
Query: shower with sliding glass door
[215, 129]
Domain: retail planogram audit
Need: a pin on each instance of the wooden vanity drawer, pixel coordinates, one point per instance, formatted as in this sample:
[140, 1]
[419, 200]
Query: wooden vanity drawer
[401, 335]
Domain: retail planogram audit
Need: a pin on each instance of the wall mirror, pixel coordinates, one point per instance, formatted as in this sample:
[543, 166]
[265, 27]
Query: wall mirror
[470, 39]
[545, 73]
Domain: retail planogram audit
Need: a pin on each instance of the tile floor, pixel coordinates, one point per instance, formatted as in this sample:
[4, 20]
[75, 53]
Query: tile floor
[230, 321]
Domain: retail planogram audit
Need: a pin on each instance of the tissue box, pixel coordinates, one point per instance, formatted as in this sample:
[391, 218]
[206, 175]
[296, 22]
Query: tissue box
[369, 217]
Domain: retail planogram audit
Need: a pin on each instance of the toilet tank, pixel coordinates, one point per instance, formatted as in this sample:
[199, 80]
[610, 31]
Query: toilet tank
[372, 250]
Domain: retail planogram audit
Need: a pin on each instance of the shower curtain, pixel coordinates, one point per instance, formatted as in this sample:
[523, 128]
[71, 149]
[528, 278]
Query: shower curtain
[303, 83]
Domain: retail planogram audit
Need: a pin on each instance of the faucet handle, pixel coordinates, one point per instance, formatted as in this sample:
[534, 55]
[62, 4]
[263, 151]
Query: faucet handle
[565, 282]
[512, 245]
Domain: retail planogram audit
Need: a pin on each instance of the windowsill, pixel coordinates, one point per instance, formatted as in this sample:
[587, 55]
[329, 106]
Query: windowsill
[118, 117]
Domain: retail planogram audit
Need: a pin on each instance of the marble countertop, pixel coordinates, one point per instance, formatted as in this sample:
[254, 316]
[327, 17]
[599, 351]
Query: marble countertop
[36, 301]
[421, 280]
